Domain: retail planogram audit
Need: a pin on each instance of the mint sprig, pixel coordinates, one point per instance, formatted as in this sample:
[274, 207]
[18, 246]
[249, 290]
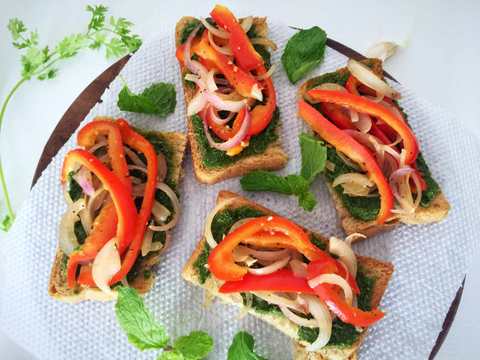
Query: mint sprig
[242, 348]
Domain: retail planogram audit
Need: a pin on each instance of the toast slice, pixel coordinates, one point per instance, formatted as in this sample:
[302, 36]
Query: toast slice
[143, 277]
[436, 211]
[380, 271]
[273, 158]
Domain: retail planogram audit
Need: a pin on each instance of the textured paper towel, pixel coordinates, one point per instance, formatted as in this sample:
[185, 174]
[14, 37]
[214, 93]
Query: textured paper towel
[430, 260]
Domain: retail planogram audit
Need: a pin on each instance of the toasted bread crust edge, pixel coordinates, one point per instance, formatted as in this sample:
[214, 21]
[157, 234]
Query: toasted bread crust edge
[382, 271]
[437, 210]
[273, 158]
[178, 143]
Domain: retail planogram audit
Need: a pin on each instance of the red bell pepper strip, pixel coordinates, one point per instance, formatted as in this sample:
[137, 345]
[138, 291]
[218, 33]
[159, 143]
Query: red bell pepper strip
[122, 201]
[344, 143]
[243, 51]
[85, 276]
[261, 114]
[364, 105]
[241, 80]
[355, 87]
[140, 144]
[282, 280]
[221, 262]
[225, 132]
[329, 265]
[88, 135]
[335, 114]
[348, 314]
[376, 131]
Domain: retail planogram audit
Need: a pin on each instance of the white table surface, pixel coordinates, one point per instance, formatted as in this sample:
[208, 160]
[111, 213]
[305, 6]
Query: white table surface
[439, 60]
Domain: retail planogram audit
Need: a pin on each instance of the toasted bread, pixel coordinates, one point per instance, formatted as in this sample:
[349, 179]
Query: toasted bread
[436, 211]
[381, 271]
[273, 158]
[58, 288]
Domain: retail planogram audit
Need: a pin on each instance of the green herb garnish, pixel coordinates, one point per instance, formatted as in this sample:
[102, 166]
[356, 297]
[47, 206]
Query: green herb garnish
[41, 62]
[242, 348]
[304, 51]
[157, 99]
[314, 155]
[144, 332]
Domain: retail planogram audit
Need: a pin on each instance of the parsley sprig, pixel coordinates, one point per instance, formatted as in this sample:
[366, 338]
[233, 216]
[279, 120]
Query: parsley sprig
[41, 62]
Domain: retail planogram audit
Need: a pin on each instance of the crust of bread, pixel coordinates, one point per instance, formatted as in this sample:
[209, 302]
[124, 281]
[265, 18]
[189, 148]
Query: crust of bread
[273, 158]
[437, 210]
[57, 287]
[382, 271]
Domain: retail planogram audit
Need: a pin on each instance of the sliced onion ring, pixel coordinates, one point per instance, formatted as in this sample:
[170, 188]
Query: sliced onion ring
[225, 50]
[345, 253]
[147, 242]
[176, 208]
[268, 255]
[277, 265]
[264, 42]
[382, 50]
[132, 155]
[193, 65]
[354, 184]
[197, 103]
[214, 30]
[267, 74]
[221, 104]
[208, 223]
[335, 280]
[301, 321]
[246, 23]
[159, 212]
[84, 178]
[299, 268]
[67, 239]
[322, 315]
[218, 120]
[276, 299]
[106, 264]
[367, 77]
[233, 141]
[331, 86]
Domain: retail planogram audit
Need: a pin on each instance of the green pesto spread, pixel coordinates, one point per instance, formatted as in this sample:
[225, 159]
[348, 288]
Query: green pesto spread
[213, 158]
[79, 231]
[74, 189]
[344, 334]
[360, 207]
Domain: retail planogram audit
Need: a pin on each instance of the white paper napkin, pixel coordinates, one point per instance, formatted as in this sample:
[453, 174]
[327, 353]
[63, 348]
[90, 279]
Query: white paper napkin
[430, 261]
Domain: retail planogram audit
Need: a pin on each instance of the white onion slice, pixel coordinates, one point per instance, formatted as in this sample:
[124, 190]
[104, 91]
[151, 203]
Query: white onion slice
[106, 264]
[208, 223]
[267, 74]
[86, 220]
[353, 237]
[225, 50]
[277, 265]
[220, 104]
[382, 50]
[132, 155]
[176, 208]
[234, 140]
[364, 123]
[160, 212]
[84, 178]
[354, 184]
[345, 253]
[400, 184]
[331, 86]
[96, 201]
[147, 242]
[367, 77]
[299, 268]
[193, 65]
[322, 315]
[97, 146]
[335, 280]
[354, 117]
[197, 103]
[240, 223]
[348, 161]
[264, 42]
[218, 120]
[214, 30]
[210, 81]
[290, 315]
[279, 300]
[136, 167]
[267, 255]
[67, 239]
[246, 23]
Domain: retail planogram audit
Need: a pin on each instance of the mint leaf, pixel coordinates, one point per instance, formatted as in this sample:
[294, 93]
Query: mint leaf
[242, 348]
[307, 200]
[195, 346]
[262, 180]
[314, 156]
[171, 355]
[137, 321]
[304, 51]
[157, 99]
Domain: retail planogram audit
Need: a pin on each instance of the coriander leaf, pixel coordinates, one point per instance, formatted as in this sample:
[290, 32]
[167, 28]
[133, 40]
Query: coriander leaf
[98, 16]
[31, 61]
[262, 180]
[242, 348]
[307, 200]
[6, 223]
[137, 321]
[115, 48]
[70, 45]
[157, 99]
[314, 156]
[195, 346]
[304, 51]
[171, 355]
[16, 28]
